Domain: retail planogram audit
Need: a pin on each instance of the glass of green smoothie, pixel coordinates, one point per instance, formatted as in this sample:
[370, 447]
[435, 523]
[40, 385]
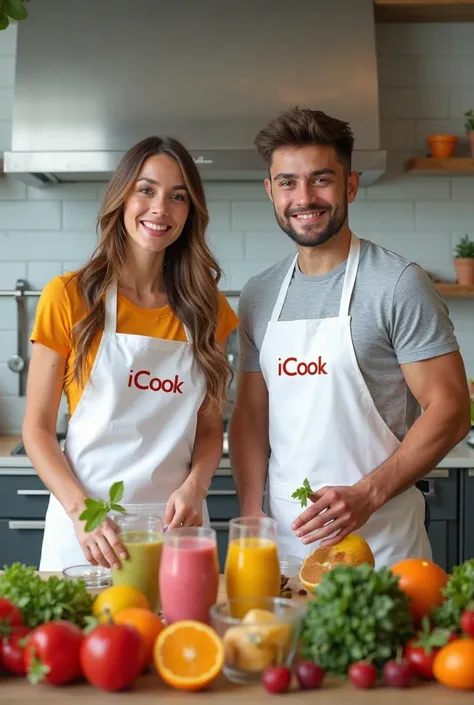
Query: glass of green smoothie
[142, 536]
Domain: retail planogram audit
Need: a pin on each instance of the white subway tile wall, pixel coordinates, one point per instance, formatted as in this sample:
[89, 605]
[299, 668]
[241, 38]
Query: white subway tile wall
[426, 84]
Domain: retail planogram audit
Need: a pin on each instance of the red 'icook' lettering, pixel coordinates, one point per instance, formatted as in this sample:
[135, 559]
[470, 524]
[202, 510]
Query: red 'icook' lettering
[141, 380]
[291, 367]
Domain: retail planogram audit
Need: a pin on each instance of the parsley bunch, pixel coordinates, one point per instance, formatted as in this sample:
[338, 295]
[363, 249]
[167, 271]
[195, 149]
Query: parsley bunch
[12, 10]
[303, 493]
[359, 613]
[459, 594]
[44, 600]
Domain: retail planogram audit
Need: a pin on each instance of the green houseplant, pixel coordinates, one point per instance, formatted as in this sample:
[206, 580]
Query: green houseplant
[464, 261]
[469, 126]
[12, 10]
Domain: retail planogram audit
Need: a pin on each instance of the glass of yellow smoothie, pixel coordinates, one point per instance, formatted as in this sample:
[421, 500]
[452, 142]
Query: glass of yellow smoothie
[252, 567]
[142, 536]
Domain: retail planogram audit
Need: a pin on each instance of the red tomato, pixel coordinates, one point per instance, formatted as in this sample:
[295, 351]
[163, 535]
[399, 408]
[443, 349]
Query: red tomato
[10, 616]
[467, 623]
[12, 650]
[52, 653]
[422, 658]
[111, 656]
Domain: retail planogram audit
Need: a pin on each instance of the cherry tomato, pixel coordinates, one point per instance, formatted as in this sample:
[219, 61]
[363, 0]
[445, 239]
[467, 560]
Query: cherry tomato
[111, 656]
[362, 675]
[276, 679]
[309, 675]
[398, 674]
[52, 653]
[422, 658]
[10, 616]
[467, 623]
[12, 650]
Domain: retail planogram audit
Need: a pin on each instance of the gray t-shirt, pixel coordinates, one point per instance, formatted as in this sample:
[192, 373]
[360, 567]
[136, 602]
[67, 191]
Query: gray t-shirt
[397, 316]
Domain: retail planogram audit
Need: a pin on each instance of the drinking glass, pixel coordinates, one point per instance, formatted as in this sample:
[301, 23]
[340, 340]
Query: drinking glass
[142, 536]
[252, 567]
[189, 574]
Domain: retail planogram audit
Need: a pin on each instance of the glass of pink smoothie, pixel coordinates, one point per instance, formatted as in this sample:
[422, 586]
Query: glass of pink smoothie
[189, 574]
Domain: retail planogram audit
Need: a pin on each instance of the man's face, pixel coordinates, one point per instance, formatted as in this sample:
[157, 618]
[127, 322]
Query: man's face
[310, 191]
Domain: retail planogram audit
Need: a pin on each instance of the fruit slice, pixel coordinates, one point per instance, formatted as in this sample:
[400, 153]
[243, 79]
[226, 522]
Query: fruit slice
[117, 598]
[352, 550]
[188, 655]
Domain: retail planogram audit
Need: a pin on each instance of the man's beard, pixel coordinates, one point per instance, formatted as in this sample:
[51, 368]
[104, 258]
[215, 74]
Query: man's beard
[312, 236]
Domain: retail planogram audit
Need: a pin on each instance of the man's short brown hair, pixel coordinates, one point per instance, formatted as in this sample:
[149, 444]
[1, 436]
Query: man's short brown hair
[299, 127]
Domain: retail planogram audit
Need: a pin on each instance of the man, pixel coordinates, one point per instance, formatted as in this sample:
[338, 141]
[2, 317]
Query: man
[340, 346]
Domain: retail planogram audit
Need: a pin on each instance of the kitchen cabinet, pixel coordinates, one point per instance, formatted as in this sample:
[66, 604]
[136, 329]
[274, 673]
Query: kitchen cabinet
[467, 515]
[442, 495]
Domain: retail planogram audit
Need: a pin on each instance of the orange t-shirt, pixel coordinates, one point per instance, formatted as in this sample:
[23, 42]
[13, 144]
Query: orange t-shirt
[61, 306]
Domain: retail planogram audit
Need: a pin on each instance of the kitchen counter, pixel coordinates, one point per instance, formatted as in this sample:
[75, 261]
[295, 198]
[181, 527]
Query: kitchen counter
[462, 456]
[149, 690]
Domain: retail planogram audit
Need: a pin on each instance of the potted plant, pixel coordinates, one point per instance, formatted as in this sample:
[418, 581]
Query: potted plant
[469, 125]
[464, 261]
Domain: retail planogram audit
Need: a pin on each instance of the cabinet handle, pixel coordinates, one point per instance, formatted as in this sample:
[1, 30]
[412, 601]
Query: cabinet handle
[221, 493]
[431, 489]
[26, 524]
[470, 472]
[33, 493]
[219, 524]
[438, 472]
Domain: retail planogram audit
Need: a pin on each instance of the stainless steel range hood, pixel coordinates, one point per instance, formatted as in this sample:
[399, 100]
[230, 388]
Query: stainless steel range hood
[94, 77]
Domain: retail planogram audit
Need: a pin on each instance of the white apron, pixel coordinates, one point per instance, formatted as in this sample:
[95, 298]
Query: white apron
[136, 421]
[324, 426]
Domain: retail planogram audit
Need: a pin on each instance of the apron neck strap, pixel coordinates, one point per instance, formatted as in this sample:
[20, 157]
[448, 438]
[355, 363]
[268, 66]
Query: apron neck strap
[111, 314]
[110, 325]
[349, 276]
[347, 288]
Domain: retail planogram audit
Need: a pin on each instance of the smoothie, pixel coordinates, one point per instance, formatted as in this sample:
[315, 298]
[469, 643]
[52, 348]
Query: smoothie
[189, 578]
[141, 568]
[252, 569]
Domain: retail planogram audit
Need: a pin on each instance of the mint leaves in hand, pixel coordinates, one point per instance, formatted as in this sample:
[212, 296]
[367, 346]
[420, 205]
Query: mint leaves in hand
[97, 509]
[303, 493]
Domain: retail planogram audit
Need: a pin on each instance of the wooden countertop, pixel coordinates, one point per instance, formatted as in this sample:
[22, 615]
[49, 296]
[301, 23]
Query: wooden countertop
[150, 690]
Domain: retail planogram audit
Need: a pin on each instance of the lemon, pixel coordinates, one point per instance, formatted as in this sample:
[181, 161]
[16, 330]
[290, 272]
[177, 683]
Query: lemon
[117, 598]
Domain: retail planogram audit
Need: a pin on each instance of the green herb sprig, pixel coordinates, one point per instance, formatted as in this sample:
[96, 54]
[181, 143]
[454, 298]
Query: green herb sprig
[97, 509]
[42, 600]
[12, 10]
[358, 613]
[459, 594]
[303, 493]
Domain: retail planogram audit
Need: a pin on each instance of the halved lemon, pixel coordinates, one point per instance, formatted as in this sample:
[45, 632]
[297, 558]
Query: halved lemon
[188, 655]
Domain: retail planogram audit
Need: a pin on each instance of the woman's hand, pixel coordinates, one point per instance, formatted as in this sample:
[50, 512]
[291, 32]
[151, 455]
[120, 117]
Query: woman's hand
[101, 546]
[184, 507]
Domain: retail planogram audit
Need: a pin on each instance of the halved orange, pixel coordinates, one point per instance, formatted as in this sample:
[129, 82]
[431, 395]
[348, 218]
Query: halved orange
[188, 655]
[351, 550]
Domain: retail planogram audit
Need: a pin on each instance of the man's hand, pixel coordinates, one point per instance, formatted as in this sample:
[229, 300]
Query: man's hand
[341, 509]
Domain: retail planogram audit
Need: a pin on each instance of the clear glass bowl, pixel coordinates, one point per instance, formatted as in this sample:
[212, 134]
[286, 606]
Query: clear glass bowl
[266, 635]
[290, 566]
[96, 577]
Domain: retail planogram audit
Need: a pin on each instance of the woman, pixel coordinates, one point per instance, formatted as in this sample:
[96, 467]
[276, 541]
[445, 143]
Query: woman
[136, 339]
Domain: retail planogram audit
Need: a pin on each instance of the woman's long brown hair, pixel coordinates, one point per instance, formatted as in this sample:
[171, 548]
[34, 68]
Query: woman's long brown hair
[191, 273]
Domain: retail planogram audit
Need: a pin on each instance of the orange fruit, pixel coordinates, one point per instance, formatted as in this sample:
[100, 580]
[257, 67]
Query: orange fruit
[422, 581]
[188, 655]
[352, 550]
[147, 624]
[454, 665]
[117, 598]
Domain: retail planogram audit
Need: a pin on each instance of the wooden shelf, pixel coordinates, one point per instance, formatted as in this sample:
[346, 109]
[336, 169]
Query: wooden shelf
[424, 10]
[454, 289]
[460, 166]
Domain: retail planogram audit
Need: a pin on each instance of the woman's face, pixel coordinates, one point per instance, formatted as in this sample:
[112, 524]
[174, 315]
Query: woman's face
[158, 205]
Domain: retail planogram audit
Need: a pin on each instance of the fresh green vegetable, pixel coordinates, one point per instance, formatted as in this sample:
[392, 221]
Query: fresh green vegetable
[303, 493]
[97, 509]
[359, 613]
[42, 600]
[458, 593]
[12, 10]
